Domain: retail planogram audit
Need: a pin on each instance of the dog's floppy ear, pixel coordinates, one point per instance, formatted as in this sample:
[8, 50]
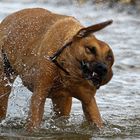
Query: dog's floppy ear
[91, 29]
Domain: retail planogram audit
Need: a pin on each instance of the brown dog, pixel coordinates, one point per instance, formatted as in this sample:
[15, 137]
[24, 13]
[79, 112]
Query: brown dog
[56, 57]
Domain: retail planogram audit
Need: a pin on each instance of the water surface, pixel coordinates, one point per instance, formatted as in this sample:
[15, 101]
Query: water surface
[119, 101]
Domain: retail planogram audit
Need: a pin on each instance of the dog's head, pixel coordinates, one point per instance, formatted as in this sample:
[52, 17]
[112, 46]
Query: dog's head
[94, 57]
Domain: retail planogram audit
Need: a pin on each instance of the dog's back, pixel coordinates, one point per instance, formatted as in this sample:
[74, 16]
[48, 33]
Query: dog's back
[22, 33]
[25, 27]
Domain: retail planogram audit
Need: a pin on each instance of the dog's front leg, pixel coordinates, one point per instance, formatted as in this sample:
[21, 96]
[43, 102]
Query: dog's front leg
[92, 113]
[41, 90]
[36, 108]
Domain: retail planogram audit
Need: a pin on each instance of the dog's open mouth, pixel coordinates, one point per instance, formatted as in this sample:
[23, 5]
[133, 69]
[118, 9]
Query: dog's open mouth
[96, 79]
[89, 73]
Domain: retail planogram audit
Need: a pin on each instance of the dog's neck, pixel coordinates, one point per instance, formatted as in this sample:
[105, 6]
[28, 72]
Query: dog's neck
[61, 39]
[57, 54]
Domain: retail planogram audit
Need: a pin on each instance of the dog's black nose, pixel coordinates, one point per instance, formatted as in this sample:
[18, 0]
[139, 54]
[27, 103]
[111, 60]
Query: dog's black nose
[101, 69]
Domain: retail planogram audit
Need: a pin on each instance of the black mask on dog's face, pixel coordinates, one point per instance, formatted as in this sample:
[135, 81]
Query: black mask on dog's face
[94, 71]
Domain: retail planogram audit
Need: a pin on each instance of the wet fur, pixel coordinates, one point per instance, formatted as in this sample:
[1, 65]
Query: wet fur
[28, 38]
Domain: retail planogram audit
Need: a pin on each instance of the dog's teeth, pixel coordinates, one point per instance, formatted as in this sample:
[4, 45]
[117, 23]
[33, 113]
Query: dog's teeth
[94, 74]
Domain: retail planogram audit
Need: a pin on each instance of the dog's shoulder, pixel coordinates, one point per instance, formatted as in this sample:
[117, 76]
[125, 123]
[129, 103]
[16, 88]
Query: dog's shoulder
[63, 29]
[60, 33]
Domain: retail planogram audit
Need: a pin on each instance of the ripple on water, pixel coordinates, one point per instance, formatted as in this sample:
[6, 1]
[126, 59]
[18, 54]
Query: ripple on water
[74, 126]
[119, 101]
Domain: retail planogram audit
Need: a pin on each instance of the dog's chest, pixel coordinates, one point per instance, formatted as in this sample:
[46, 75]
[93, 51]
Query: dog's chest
[61, 87]
[56, 86]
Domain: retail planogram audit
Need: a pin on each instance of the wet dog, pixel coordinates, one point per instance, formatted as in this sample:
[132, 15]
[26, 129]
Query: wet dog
[56, 57]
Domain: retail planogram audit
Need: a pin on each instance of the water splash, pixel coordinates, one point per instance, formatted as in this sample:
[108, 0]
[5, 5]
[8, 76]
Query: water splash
[119, 101]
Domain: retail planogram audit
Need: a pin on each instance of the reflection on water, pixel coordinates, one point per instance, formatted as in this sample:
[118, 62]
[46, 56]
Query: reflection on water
[119, 101]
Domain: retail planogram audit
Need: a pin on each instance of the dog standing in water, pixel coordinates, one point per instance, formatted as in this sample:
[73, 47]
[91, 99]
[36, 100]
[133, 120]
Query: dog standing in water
[56, 57]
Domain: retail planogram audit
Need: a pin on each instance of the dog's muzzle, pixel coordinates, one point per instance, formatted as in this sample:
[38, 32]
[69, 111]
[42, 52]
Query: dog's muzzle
[94, 71]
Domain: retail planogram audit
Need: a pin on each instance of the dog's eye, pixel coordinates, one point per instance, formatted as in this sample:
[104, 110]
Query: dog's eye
[109, 58]
[90, 50]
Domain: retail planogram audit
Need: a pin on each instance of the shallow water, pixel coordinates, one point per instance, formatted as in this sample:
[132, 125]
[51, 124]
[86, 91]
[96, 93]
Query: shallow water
[119, 101]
